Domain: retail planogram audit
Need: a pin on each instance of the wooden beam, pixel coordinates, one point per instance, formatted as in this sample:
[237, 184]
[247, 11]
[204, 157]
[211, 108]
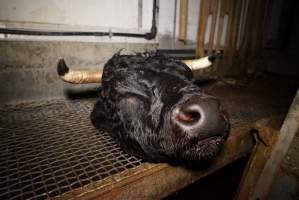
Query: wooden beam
[214, 14]
[265, 134]
[234, 12]
[202, 23]
[183, 26]
[285, 137]
[223, 5]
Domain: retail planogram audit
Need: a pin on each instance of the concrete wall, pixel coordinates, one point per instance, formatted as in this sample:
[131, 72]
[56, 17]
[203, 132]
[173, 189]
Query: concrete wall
[129, 16]
[28, 69]
[104, 13]
[169, 20]
[166, 18]
[116, 15]
[28, 63]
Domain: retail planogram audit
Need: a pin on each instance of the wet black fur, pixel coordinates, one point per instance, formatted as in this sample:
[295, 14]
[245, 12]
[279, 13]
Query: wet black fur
[135, 100]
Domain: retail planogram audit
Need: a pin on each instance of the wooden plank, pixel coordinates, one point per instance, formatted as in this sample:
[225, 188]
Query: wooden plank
[252, 39]
[244, 38]
[214, 13]
[221, 32]
[266, 135]
[246, 43]
[286, 135]
[221, 23]
[202, 23]
[183, 20]
[233, 28]
[257, 40]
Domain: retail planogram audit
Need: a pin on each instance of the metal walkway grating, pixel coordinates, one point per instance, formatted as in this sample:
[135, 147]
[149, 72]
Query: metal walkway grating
[50, 148]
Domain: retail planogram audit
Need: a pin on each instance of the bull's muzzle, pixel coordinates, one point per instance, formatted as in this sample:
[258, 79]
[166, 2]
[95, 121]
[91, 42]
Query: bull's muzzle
[201, 117]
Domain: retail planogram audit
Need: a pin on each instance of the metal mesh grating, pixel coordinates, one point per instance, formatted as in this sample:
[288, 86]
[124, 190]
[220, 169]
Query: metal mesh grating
[51, 148]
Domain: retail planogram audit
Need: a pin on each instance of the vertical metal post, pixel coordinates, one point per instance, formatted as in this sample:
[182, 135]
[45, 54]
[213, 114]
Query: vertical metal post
[174, 23]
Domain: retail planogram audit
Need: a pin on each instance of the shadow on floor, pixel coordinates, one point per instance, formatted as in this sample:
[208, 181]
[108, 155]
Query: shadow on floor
[222, 184]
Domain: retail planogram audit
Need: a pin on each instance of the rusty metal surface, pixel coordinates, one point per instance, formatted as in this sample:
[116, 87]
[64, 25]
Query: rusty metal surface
[50, 149]
[265, 132]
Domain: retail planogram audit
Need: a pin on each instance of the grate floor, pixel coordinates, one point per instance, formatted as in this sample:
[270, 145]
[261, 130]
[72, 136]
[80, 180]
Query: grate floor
[50, 148]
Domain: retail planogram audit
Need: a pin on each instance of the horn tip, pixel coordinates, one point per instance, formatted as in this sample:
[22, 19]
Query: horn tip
[212, 58]
[62, 68]
[215, 56]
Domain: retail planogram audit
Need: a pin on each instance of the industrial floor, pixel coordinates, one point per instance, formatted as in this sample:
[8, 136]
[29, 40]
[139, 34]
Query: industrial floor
[49, 148]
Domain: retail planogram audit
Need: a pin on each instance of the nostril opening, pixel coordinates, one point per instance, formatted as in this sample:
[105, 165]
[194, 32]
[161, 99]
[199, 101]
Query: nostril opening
[189, 116]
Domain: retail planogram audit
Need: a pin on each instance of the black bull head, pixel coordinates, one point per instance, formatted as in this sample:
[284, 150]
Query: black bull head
[152, 108]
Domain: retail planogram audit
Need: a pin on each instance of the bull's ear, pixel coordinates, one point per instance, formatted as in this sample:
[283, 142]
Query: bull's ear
[99, 115]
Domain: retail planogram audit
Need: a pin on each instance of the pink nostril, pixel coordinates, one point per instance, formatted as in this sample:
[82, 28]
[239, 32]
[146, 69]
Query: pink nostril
[188, 117]
[201, 117]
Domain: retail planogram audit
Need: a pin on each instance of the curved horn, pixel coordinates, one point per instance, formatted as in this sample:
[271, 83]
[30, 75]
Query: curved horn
[94, 76]
[203, 62]
[78, 76]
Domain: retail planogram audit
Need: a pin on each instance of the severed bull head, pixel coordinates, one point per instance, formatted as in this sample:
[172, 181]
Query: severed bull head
[152, 108]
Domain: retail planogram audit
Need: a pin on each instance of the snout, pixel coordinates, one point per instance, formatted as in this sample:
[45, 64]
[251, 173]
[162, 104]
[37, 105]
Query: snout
[201, 117]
